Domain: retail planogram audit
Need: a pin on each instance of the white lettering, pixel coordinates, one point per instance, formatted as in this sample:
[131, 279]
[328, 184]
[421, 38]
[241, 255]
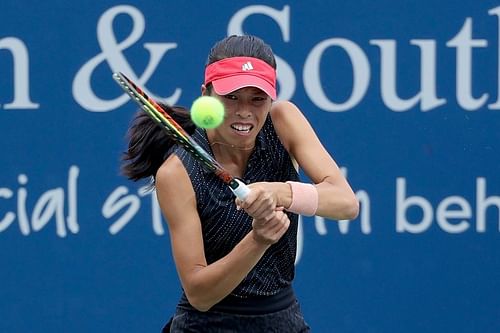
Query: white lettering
[118, 200]
[464, 44]
[388, 82]
[402, 205]
[451, 207]
[72, 218]
[21, 79]
[112, 53]
[9, 217]
[22, 215]
[496, 11]
[312, 78]
[482, 204]
[49, 205]
[444, 213]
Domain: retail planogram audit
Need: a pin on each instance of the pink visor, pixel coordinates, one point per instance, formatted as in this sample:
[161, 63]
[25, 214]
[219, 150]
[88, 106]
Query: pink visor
[230, 74]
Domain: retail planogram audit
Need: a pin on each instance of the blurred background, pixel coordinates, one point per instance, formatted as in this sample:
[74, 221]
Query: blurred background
[404, 94]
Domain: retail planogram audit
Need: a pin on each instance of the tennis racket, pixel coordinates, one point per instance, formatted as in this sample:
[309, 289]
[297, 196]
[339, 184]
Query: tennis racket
[179, 135]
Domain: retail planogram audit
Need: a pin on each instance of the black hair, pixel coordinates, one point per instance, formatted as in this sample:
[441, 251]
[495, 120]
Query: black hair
[148, 144]
[241, 46]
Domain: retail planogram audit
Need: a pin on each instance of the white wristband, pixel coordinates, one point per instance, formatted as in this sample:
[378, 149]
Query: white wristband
[304, 198]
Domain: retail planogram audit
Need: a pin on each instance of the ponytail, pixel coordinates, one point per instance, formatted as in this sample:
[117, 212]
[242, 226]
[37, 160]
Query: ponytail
[149, 144]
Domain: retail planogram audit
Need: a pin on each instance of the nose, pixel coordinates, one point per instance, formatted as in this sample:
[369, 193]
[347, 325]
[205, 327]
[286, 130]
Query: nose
[243, 111]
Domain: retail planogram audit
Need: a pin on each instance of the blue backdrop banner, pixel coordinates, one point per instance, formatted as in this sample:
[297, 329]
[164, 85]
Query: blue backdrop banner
[404, 94]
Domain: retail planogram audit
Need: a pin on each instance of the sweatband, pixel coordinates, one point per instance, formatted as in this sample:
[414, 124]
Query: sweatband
[304, 198]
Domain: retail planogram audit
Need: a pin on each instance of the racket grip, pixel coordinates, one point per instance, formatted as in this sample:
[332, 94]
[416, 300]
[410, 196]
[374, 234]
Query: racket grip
[239, 189]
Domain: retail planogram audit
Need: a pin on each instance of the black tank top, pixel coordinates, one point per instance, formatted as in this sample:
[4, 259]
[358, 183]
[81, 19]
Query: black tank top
[223, 226]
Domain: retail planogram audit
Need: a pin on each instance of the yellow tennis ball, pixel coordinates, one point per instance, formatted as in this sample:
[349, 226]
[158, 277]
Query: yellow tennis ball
[207, 112]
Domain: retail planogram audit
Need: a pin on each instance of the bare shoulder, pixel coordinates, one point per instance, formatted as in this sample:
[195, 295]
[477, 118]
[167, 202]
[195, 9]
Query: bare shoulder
[289, 123]
[170, 171]
[283, 110]
[173, 184]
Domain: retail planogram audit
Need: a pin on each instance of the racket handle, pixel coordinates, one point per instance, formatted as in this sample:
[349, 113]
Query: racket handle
[239, 189]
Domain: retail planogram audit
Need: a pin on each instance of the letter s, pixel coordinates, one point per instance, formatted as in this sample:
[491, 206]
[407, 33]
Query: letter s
[116, 202]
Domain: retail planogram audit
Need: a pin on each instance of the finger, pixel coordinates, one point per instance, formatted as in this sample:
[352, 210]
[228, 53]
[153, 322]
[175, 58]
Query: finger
[246, 203]
[270, 216]
[280, 214]
[249, 200]
[277, 224]
[264, 223]
[283, 228]
[263, 212]
[275, 234]
[238, 203]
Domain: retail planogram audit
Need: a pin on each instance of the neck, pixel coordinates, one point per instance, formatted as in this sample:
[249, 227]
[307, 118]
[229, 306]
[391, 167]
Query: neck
[233, 158]
[231, 146]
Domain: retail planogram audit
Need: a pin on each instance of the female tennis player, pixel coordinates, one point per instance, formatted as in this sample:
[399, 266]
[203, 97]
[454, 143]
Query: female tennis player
[235, 258]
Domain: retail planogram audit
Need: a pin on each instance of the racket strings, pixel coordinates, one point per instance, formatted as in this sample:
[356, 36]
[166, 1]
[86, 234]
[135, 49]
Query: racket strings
[185, 142]
[173, 129]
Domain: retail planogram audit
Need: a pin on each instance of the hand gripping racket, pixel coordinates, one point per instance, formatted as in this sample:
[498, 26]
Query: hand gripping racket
[179, 135]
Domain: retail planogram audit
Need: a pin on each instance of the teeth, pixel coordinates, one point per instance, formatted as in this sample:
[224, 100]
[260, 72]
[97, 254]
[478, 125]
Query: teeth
[242, 128]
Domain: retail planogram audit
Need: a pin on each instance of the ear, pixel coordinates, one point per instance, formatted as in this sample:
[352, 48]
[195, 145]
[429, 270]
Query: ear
[204, 90]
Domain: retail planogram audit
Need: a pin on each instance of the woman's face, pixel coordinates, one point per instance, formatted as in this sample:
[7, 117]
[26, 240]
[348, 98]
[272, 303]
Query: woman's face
[246, 110]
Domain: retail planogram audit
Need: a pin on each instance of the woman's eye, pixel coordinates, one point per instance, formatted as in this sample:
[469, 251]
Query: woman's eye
[231, 97]
[258, 100]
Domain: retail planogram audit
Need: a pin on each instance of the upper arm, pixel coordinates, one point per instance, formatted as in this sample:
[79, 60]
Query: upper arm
[178, 203]
[302, 143]
[336, 198]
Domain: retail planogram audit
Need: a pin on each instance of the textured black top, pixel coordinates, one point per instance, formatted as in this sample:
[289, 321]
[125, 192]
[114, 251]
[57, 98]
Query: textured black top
[223, 226]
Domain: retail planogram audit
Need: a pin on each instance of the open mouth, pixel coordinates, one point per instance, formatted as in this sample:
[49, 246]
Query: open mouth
[243, 128]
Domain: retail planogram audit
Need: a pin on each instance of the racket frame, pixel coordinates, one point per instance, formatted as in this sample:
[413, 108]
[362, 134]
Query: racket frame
[179, 135]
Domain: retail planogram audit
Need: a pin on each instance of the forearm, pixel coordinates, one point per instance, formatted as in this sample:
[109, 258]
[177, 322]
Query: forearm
[210, 284]
[335, 201]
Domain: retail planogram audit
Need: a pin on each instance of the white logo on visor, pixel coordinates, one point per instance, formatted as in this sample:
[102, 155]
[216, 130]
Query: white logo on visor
[247, 66]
